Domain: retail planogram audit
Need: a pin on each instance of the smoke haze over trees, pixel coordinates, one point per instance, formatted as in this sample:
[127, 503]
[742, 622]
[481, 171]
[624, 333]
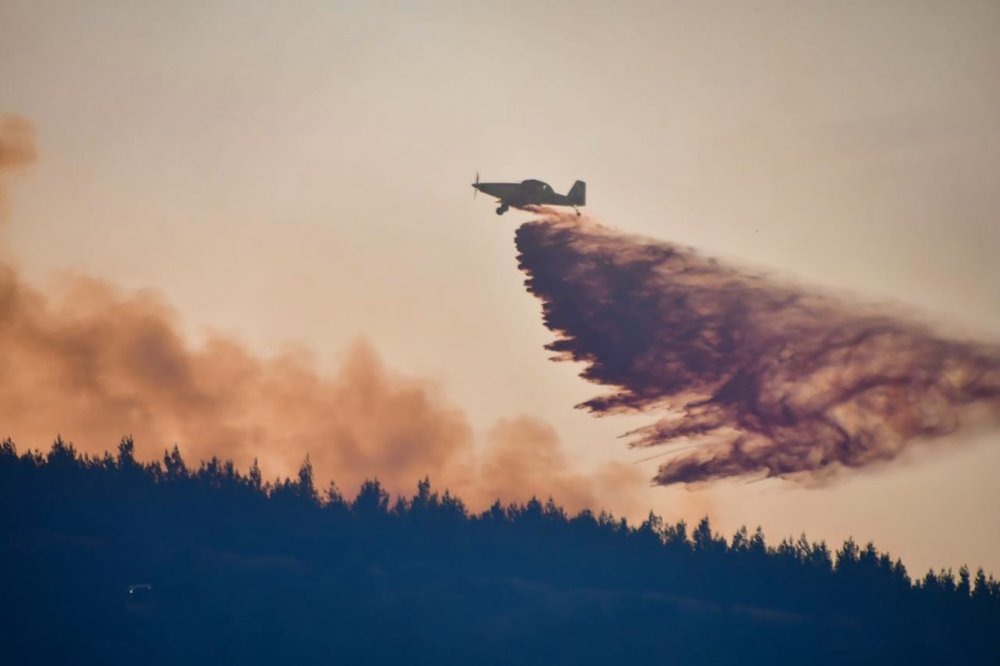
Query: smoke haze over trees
[769, 378]
[92, 361]
[227, 568]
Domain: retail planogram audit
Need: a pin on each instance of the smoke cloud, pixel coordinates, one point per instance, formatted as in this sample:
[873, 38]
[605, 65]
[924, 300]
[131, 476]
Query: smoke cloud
[97, 364]
[17, 150]
[94, 363]
[526, 453]
[756, 376]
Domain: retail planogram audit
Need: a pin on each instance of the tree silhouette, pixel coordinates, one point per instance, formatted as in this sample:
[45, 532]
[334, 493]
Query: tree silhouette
[251, 572]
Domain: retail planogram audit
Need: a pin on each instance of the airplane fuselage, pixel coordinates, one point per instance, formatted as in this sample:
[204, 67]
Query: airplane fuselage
[532, 193]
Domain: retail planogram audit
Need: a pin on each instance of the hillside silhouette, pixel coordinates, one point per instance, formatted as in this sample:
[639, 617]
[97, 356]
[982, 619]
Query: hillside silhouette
[112, 560]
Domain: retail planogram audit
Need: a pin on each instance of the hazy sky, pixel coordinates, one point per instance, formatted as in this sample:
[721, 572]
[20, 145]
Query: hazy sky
[297, 174]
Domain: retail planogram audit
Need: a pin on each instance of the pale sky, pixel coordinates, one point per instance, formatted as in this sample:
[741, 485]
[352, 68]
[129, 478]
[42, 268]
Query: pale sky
[297, 174]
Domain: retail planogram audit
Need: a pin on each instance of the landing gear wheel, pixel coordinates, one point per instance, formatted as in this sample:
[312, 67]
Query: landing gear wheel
[503, 209]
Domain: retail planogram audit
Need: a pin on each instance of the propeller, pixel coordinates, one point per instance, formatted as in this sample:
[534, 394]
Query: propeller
[475, 189]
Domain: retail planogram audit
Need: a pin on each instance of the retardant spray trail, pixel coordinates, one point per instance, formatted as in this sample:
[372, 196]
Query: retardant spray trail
[769, 378]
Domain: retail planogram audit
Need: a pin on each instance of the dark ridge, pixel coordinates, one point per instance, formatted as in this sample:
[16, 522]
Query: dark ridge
[111, 560]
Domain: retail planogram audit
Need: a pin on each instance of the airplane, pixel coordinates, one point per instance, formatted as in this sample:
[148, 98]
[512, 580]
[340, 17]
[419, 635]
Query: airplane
[532, 193]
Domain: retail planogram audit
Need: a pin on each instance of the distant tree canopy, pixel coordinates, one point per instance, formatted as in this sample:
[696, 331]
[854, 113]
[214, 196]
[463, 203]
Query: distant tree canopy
[245, 569]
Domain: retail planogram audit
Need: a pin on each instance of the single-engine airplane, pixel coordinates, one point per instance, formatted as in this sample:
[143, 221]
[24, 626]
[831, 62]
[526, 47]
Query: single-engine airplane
[532, 193]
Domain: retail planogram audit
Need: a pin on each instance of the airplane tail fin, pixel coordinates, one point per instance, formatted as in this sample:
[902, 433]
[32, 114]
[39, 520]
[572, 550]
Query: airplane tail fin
[578, 193]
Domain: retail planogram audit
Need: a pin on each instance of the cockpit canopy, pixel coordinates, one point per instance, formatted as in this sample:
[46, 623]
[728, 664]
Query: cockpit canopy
[536, 186]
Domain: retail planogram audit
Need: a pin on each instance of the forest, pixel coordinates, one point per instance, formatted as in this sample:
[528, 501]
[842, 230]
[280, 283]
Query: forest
[109, 559]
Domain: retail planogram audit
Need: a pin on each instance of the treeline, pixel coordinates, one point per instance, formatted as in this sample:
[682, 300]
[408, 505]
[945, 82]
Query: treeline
[243, 569]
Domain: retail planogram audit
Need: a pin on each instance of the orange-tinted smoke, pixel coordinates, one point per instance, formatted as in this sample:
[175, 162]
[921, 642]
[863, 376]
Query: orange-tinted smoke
[525, 453]
[93, 363]
[772, 379]
[17, 150]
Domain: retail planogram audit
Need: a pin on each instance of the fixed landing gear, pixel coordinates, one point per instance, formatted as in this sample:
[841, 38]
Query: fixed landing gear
[577, 211]
[503, 208]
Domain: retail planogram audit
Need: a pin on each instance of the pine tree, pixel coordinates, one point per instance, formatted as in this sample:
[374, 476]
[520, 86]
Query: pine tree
[254, 476]
[174, 465]
[305, 488]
